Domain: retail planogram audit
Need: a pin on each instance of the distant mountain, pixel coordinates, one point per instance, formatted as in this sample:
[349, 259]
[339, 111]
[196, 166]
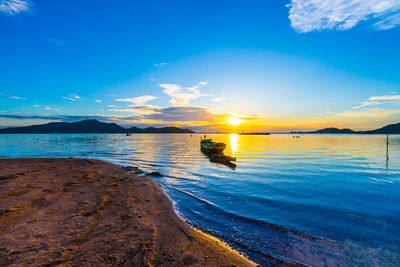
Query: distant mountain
[88, 126]
[85, 126]
[389, 129]
[334, 130]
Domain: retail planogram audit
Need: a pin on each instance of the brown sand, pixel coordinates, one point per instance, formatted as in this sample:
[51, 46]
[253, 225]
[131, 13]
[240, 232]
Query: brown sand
[89, 212]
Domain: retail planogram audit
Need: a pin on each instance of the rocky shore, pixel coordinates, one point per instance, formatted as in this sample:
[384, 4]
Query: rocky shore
[89, 212]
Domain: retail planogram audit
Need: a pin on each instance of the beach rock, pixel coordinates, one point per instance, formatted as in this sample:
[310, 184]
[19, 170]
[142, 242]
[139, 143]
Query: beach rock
[133, 169]
[155, 174]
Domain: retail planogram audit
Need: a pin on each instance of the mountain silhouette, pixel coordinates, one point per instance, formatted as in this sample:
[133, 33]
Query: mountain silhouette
[88, 126]
[388, 129]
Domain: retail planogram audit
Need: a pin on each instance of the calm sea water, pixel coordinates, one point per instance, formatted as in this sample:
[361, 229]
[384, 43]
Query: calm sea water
[319, 200]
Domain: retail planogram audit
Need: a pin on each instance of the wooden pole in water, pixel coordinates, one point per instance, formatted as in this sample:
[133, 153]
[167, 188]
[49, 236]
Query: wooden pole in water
[387, 151]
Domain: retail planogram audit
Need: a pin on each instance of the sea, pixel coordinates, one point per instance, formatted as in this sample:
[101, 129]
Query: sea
[312, 200]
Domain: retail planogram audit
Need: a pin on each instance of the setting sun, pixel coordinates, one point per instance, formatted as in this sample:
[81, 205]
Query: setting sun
[234, 121]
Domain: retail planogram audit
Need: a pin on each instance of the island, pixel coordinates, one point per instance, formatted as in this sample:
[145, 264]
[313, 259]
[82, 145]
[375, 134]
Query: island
[388, 129]
[87, 126]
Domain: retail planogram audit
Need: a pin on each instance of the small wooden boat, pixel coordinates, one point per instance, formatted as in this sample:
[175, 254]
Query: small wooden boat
[210, 147]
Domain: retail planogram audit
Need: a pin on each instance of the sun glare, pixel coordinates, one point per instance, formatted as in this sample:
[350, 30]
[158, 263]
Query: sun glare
[234, 121]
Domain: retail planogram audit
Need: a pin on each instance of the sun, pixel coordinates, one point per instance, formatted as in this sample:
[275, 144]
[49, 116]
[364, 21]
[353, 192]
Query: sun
[234, 121]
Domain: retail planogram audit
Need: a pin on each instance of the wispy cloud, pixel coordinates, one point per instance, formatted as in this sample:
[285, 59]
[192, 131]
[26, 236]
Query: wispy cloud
[13, 97]
[98, 101]
[181, 96]
[160, 64]
[218, 99]
[142, 110]
[172, 114]
[55, 41]
[379, 100]
[388, 22]
[45, 108]
[180, 114]
[137, 101]
[72, 97]
[315, 15]
[13, 7]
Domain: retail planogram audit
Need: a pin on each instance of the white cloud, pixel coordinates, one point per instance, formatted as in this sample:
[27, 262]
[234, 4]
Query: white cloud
[13, 97]
[98, 101]
[314, 15]
[45, 108]
[217, 99]
[112, 106]
[388, 23]
[142, 110]
[16, 97]
[72, 97]
[379, 100]
[137, 101]
[203, 83]
[181, 96]
[13, 7]
[160, 64]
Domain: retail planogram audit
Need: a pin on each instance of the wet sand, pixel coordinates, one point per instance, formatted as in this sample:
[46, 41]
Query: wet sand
[89, 212]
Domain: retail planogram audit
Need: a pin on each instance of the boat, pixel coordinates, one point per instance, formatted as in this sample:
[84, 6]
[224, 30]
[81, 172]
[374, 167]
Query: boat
[210, 147]
[128, 134]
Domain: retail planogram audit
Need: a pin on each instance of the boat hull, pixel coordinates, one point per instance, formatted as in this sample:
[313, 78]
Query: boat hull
[212, 150]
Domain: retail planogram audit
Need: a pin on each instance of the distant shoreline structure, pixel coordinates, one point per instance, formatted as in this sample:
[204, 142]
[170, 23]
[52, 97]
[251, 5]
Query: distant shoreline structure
[256, 133]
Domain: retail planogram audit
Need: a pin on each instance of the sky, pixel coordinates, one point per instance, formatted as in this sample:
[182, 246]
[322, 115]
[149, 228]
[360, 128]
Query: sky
[219, 65]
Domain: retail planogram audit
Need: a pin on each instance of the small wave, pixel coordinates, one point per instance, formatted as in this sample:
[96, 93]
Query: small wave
[241, 246]
[273, 244]
[246, 219]
[189, 194]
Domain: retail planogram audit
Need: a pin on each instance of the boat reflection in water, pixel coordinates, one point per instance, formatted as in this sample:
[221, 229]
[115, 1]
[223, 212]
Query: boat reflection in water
[214, 152]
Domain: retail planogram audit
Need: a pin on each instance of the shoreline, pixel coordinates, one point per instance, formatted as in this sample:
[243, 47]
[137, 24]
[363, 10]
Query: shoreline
[86, 211]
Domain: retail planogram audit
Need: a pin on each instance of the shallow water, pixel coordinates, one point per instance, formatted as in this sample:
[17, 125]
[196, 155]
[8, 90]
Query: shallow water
[320, 200]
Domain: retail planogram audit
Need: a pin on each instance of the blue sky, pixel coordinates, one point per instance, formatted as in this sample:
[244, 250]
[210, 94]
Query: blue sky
[276, 65]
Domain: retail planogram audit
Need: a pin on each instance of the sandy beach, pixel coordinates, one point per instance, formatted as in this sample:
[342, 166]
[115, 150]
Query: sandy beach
[90, 212]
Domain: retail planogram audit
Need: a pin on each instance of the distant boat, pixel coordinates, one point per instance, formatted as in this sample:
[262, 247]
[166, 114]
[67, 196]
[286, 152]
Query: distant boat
[210, 147]
[254, 133]
[128, 134]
